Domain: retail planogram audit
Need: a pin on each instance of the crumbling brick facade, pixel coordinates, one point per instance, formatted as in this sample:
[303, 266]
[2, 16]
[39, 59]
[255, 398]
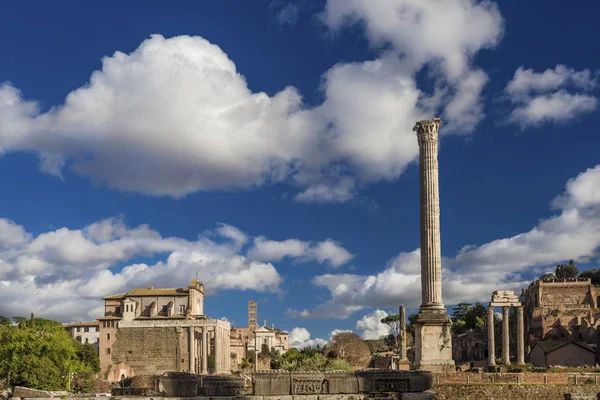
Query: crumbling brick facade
[151, 350]
[561, 310]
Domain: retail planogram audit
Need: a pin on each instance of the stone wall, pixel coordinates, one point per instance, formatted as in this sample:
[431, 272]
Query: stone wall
[151, 350]
[561, 310]
[514, 392]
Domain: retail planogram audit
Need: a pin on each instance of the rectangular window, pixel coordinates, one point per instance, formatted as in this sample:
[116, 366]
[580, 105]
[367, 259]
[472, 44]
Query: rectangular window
[104, 324]
[108, 336]
[86, 329]
[108, 351]
[181, 309]
[77, 329]
[112, 324]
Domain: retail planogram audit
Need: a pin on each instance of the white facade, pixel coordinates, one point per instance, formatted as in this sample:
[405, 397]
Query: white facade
[270, 337]
[85, 332]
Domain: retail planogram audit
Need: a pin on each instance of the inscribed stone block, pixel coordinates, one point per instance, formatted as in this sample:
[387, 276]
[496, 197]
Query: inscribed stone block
[271, 383]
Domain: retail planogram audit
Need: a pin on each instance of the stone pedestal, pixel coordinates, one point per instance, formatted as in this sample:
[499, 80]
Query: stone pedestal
[433, 342]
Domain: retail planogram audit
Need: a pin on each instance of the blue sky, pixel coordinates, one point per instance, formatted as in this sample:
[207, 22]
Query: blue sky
[267, 146]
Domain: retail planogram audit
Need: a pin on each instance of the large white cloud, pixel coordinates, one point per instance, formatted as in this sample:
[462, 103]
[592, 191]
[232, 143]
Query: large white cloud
[301, 338]
[476, 271]
[64, 273]
[370, 326]
[175, 116]
[327, 251]
[555, 95]
[442, 34]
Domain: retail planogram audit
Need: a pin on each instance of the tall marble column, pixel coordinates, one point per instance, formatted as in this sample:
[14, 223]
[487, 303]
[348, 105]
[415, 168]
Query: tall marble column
[520, 336]
[431, 258]
[491, 339]
[204, 369]
[505, 336]
[402, 333]
[191, 352]
[433, 339]
[217, 350]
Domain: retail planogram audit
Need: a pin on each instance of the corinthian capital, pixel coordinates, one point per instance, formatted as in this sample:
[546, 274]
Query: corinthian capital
[427, 130]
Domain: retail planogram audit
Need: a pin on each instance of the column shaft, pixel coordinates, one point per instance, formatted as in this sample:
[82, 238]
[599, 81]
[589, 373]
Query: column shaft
[204, 369]
[191, 355]
[431, 260]
[402, 333]
[520, 336]
[217, 351]
[491, 339]
[505, 337]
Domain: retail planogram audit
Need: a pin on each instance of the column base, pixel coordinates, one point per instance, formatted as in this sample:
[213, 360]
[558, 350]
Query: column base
[433, 341]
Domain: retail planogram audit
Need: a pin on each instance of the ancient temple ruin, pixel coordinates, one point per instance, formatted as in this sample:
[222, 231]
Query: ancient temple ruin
[505, 299]
[158, 330]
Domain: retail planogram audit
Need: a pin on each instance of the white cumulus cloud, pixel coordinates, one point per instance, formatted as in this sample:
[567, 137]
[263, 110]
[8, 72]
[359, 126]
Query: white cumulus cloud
[370, 326]
[64, 273]
[555, 95]
[300, 338]
[175, 116]
[327, 251]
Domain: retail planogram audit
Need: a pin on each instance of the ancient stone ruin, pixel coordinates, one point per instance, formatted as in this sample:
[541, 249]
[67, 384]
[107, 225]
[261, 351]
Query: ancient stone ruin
[277, 384]
[505, 299]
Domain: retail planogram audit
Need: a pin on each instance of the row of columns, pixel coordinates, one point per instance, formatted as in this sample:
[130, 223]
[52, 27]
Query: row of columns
[199, 349]
[506, 336]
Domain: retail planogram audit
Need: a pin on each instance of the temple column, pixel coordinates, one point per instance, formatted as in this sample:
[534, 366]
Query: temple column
[204, 369]
[217, 350]
[191, 352]
[227, 338]
[505, 336]
[227, 365]
[520, 336]
[491, 339]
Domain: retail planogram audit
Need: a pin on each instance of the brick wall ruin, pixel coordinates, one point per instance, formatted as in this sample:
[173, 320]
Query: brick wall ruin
[151, 350]
[561, 310]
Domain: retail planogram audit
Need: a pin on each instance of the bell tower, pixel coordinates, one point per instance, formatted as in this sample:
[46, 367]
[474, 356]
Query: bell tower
[252, 314]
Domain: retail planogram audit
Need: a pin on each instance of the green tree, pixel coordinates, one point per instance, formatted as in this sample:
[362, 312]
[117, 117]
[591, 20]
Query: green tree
[475, 317]
[4, 320]
[21, 322]
[548, 276]
[468, 317]
[312, 359]
[593, 274]
[393, 321]
[459, 327]
[88, 355]
[564, 271]
[459, 312]
[40, 354]
[410, 328]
